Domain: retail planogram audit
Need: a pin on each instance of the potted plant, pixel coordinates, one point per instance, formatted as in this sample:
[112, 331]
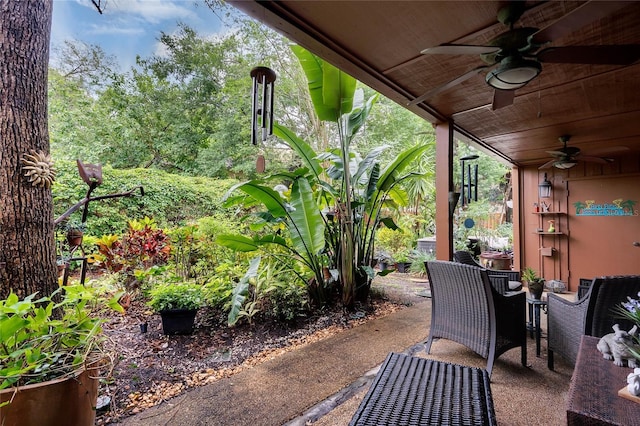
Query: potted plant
[177, 305]
[403, 261]
[384, 260]
[50, 354]
[533, 281]
[75, 231]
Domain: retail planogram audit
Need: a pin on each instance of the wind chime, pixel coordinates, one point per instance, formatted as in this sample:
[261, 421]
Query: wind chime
[262, 79]
[469, 181]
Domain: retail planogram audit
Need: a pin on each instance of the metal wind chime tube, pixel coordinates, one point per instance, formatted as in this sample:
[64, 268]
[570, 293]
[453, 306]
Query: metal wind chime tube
[469, 184]
[262, 103]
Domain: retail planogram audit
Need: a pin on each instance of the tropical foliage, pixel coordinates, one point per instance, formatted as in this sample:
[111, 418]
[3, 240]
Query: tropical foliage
[332, 205]
[42, 338]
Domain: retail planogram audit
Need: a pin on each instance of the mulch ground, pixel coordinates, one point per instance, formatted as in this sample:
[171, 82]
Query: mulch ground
[149, 368]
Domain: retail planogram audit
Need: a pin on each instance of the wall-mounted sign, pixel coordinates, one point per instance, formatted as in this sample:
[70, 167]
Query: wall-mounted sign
[619, 207]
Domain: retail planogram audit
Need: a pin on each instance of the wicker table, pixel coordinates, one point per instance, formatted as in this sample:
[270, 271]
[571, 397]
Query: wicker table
[593, 394]
[417, 391]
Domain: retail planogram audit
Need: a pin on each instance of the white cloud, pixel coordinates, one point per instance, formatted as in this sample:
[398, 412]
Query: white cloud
[109, 30]
[152, 11]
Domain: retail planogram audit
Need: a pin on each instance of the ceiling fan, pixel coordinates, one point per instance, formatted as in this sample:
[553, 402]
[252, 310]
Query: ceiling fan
[568, 156]
[515, 56]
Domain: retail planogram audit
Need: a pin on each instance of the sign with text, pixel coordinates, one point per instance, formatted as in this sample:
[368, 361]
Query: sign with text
[618, 207]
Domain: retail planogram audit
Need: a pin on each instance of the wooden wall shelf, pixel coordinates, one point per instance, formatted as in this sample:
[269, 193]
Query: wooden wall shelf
[548, 213]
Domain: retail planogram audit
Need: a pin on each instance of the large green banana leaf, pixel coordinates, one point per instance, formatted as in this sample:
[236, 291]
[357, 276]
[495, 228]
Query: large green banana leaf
[307, 230]
[267, 196]
[331, 89]
[391, 173]
[358, 116]
[241, 290]
[306, 153]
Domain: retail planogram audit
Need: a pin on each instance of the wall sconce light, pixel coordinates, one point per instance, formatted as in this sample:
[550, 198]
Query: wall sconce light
[262, 102]
[544, 188]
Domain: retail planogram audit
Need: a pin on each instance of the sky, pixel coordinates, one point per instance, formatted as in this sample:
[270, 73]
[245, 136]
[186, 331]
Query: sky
[128, 27]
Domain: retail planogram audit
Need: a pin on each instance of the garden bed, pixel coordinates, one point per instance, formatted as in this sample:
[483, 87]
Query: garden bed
[150, 368]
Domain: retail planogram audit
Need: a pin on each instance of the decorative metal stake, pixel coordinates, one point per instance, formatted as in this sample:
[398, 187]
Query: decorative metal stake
[262, 102]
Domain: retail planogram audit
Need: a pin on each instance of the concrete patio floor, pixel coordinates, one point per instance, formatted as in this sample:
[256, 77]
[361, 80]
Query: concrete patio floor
[323, 383]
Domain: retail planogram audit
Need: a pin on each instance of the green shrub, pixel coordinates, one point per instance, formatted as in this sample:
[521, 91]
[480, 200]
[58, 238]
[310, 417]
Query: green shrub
[396, 243]
[170, 199]
[287, 300]
[176, 296]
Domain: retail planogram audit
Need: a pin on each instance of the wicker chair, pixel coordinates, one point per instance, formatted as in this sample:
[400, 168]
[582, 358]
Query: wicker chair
[592, 315]
[468, 310]
[502, 281]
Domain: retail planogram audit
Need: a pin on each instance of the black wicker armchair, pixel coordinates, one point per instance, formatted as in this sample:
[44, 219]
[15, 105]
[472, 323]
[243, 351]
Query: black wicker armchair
[468, 310]
[593, 315]
[501, 280]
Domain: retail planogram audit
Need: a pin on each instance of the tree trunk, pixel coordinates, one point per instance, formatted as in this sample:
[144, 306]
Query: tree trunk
[27, 246]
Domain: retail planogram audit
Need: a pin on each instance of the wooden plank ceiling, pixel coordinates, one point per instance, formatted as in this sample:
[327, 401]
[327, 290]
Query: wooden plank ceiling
[379, 43]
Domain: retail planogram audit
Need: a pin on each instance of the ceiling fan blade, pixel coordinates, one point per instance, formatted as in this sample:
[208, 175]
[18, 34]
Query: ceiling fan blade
[447, 85]
[557, 153]
[576, 19]
[623, 54]
[502, 98]
[548, 164]
[459, 49]
[608, 150]
[590, 159]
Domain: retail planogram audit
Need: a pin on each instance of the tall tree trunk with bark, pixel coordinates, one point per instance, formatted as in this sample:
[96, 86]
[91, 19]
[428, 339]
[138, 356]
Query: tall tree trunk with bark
[27, 246]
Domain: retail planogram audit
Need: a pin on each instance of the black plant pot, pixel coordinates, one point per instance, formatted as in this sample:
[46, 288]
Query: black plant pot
[403, 267]
[535, 289]
[178, 321]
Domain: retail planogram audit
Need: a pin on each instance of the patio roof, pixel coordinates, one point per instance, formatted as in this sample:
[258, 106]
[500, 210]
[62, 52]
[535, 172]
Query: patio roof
[380, 44]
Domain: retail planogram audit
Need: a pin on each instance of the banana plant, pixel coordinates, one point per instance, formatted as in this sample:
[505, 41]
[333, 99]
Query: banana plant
[353, 190]
[361, 194]
[295, 213]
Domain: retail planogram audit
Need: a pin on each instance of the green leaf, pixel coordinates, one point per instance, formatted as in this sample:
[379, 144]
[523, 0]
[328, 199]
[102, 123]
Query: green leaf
[304, 151]
[237, 242]
[240, 292]
[357, 117]
[331, 90]
[267, 196]
[307, 233]
[114, 303]
[10, 325]
[391, 173]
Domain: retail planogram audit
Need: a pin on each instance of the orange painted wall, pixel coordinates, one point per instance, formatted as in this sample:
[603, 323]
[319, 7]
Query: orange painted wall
[580, 252]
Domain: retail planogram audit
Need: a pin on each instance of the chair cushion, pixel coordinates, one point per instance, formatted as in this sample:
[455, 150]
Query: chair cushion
[515, 285]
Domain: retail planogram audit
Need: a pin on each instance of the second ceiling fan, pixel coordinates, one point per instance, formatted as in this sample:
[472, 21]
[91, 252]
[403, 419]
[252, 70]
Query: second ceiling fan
[515, 56]
[568, 156]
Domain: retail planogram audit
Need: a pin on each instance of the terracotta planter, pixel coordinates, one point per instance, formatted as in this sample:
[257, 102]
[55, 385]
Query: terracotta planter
[178, 321]
[67, 401]
[74, 238]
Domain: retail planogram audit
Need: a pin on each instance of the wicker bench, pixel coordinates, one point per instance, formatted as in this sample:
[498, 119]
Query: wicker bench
[417, 391]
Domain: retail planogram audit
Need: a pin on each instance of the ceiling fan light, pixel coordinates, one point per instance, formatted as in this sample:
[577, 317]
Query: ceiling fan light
[567, 164]
[513, 73]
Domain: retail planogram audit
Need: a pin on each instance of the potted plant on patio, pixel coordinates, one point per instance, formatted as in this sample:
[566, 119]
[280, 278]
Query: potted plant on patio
[535, 284]
[177, 305]
[50, 356]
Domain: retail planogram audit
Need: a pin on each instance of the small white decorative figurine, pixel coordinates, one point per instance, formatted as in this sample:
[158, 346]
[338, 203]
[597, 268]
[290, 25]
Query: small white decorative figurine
[633, 380]
[616, 345]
